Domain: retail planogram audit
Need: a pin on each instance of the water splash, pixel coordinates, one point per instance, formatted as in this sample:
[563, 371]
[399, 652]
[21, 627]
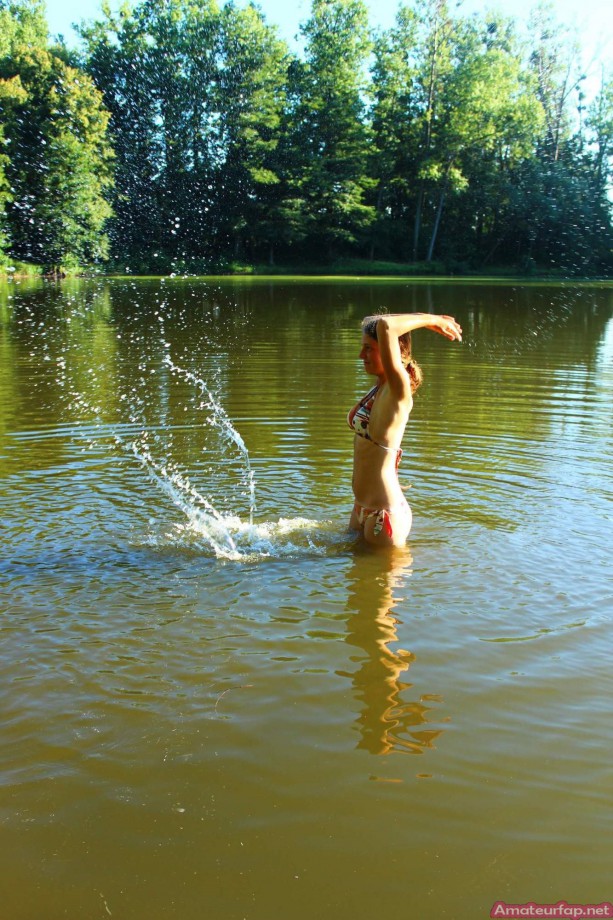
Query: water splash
[176, 485]
[287, 537]
[137, 425]
[219, 417]
[227, 536]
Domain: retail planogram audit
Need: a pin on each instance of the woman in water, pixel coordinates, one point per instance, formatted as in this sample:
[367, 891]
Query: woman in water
[381, 513]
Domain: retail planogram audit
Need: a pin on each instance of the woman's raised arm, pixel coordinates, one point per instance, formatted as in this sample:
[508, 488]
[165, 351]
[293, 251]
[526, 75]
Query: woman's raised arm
[398, 324]
[391, 326]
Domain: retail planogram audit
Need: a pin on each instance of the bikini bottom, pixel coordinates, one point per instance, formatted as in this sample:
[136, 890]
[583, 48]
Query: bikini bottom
[382, 516]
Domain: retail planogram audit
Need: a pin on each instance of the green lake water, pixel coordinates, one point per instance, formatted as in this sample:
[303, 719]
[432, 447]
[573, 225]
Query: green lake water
[214, 703]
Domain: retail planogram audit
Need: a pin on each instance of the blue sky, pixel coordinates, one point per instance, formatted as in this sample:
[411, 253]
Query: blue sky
[591, 20]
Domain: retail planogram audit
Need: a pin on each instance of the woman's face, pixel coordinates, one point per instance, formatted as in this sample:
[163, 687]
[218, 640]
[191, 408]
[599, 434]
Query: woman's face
[370, 356]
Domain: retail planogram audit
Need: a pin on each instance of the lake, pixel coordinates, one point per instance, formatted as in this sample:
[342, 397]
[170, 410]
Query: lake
[215, 703]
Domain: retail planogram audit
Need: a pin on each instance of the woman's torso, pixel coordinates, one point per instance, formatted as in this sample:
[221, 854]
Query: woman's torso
[377, 447]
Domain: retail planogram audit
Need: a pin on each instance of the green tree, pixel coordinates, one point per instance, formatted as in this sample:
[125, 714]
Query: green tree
[435, 59]
[559, 206]
[229, 146]
[394, 119]
[252, 100]
[182, 62]
[196, 96]
[330, 139]
[600, 124]
[124, 56]
[555, 63]
[23, 22]
[59, 160]
[11, 94]
[454, 111]
[490, 122]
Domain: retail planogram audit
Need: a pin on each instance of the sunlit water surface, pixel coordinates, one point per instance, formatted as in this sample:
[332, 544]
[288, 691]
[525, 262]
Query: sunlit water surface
[215, 703]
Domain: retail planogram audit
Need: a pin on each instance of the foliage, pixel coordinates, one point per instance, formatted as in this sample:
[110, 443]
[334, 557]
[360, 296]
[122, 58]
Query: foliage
[196, 98]
[186, 136]
[329, 135]
[56, 166]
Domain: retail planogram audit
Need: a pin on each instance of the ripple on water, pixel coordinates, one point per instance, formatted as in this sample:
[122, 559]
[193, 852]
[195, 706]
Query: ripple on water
[204, 701]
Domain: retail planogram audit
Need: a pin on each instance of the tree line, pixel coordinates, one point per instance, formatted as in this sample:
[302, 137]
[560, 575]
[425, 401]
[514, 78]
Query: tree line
[184, 135]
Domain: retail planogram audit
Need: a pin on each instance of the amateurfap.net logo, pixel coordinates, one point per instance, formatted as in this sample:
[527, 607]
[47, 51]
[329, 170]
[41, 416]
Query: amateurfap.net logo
[561, 910]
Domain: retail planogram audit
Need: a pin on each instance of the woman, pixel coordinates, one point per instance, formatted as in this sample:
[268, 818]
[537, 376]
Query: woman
[381, 512]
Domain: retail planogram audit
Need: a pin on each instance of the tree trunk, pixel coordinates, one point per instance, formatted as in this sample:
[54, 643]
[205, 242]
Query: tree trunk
[490, 254]
[379, 210]
[417, 224]
[437, 222]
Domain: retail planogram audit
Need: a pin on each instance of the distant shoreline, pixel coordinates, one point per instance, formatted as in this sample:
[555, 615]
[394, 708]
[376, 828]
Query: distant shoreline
[349, 269]
[535, 278]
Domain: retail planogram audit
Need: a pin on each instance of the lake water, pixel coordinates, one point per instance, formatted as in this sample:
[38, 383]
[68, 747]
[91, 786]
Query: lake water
[214, 703]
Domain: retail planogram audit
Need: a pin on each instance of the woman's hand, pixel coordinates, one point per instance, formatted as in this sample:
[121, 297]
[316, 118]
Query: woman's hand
[447, 326]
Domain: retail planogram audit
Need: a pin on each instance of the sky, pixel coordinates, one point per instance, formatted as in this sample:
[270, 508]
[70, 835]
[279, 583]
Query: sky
[590, 20]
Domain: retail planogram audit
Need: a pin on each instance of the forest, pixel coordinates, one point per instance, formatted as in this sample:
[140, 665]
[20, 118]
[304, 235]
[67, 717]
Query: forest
[187, 136]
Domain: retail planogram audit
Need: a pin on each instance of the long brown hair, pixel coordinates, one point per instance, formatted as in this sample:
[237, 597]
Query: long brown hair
[369, 327]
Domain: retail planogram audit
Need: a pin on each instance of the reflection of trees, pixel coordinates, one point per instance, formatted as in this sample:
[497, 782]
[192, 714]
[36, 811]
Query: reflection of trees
[282, 355]
[387, 723]
[56, 344]
[492, 408]
[7, 381]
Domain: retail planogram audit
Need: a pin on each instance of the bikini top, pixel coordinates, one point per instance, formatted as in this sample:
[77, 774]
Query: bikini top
[358, 420]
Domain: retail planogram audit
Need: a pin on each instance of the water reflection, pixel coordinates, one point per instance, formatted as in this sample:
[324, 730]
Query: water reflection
[387, 722]
[105, 600]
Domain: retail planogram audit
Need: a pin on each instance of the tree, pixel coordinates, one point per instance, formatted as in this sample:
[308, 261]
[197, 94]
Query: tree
[11, 93]
[554, 61]
[124, 57]
[435, 49]
[59, 160]
[394, 115]
[453, 111]
[600, 124]
[490, 121]
[196, 96]
[330, 139]
[252, 99]
[457, 144]
[24, 22]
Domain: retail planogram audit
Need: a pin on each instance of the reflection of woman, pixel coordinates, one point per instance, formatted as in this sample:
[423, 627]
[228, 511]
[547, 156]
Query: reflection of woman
[386, 723]
[381, 512]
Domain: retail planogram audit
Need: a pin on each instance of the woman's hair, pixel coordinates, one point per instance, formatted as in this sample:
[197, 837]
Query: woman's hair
[369, 327]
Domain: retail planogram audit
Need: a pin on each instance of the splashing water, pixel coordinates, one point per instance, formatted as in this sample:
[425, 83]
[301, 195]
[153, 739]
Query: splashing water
[228, 536]
[196, 507]
[220, 418]
[287, 537]
[137, 426]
